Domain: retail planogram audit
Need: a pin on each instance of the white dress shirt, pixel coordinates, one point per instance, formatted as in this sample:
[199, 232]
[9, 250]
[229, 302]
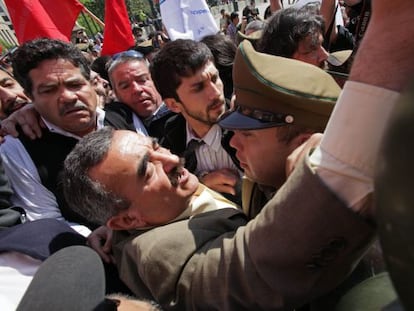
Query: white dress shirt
[211, 155]
[29, 192]
[348, 154]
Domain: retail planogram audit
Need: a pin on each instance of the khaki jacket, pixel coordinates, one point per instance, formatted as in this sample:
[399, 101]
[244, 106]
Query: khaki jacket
[302, 244]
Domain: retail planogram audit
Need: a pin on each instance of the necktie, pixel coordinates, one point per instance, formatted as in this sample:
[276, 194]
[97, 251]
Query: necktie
[190, 155]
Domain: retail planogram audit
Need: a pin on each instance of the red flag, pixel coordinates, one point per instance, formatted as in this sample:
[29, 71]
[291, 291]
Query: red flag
[43, 18]
[118, 35]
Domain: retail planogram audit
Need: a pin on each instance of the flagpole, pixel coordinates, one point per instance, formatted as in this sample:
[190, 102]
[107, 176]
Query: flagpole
[94, 17]
[87, 23]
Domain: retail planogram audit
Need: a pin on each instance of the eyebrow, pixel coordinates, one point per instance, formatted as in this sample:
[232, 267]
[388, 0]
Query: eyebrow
[199, 84]
[142, 167]
[6, 79]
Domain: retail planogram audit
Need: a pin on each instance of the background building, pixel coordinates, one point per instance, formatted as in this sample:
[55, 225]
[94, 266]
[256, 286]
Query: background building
[7, 36]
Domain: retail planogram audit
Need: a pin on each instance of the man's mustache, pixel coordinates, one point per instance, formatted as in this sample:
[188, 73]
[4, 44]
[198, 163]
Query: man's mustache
[175, 173]
[69, 108]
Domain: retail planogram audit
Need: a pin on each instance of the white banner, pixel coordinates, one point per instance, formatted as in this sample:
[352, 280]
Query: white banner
[187, 19]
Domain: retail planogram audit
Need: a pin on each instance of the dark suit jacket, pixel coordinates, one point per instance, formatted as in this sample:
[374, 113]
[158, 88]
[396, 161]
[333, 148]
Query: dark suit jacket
[120, 116]
[302, 244]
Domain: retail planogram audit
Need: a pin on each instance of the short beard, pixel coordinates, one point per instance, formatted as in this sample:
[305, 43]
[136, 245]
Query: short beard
[200, 118]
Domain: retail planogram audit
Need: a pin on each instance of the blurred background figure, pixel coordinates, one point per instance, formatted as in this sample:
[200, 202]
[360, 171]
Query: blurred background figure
[102, 89]
[232, 28]
[224, 21]
[138, 34]
[250, 12]
[223, 50]
[295, 33]
[12, 96]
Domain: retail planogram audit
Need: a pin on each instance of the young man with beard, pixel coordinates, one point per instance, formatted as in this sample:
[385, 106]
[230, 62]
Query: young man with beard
[12, 96]
[189, 83]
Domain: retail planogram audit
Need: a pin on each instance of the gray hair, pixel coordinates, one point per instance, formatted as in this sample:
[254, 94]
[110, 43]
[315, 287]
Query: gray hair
[84, 195]
[123, 59]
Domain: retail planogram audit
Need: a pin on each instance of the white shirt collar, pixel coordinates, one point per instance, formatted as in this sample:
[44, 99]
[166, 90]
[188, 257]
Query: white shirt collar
[212, 138]
[100, 116]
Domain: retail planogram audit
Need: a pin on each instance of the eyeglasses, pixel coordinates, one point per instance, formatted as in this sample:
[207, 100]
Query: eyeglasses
[129, 53]
[264, 116]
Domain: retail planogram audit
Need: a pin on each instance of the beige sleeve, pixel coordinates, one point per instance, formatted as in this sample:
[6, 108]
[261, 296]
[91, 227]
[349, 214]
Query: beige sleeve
[347, 157]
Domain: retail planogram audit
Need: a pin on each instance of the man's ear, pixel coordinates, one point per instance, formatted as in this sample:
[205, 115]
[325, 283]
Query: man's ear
[300, 139]
[125, 221]
[173, 105]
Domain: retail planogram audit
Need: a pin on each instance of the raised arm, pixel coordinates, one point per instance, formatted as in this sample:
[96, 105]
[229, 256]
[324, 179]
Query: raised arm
[275, 5]
[27, 118]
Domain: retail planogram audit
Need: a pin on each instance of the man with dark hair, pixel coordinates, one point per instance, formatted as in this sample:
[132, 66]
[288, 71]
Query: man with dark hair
[56, 76]
[188, 81]
[295, 33]
[232, 27]
[143, 163]
[12, 96]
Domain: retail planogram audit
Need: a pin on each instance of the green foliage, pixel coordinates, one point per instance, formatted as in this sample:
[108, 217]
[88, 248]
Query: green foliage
[137, 9]
[84, 20]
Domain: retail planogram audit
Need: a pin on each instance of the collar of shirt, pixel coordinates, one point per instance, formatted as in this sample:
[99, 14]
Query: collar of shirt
[212, 138]
[100, 116]
[161, 111]
[204, 200]
[139, 125]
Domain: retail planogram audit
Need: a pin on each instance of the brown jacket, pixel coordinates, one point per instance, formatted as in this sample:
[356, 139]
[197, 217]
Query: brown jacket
[300, 246]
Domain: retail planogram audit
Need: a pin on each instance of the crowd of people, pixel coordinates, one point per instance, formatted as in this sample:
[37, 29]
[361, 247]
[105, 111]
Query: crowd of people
[234, 173]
